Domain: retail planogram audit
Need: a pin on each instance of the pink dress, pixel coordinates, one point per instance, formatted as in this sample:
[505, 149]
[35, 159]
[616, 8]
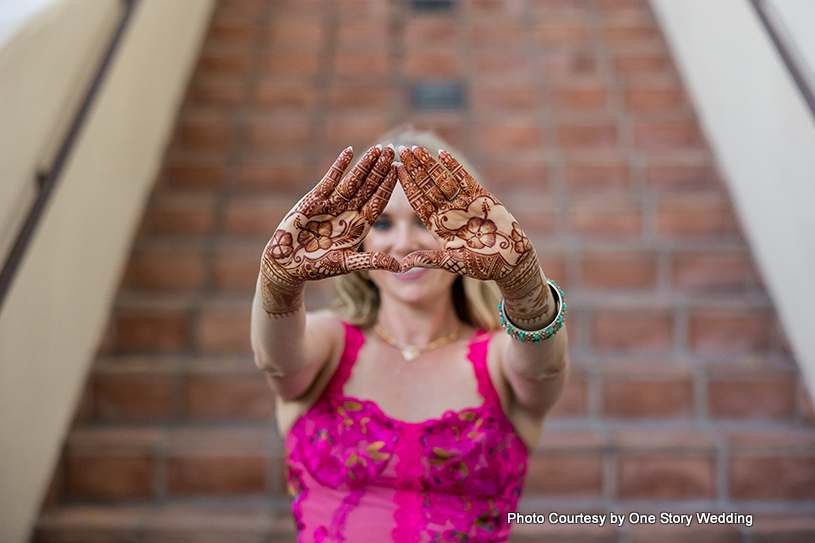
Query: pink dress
[358, 475]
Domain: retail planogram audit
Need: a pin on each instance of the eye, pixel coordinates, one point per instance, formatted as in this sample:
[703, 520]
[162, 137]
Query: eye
[382, 223]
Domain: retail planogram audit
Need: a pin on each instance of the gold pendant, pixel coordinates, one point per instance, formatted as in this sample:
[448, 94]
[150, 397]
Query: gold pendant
[411, 353]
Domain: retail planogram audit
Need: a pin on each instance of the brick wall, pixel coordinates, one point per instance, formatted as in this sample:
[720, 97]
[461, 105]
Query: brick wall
[684, 396]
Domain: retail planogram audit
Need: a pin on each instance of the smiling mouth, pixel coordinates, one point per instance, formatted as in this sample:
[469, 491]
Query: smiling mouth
[412, 273]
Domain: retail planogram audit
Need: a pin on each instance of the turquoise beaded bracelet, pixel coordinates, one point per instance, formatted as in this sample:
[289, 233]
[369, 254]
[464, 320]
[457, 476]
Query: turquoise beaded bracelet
[536, 336]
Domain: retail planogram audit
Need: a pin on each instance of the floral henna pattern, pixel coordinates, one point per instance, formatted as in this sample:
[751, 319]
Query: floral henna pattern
[319, 237]
[478, 236]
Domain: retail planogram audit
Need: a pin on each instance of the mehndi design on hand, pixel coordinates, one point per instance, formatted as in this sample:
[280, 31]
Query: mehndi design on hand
[478, 236]
[320, 235]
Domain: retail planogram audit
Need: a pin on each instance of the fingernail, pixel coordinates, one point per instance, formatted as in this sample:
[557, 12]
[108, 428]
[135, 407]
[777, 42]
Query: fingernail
[414, 148]
[390, 145]
[349, 148]
[402, 148]
[379, 146]
[397, 163]
[442, 151]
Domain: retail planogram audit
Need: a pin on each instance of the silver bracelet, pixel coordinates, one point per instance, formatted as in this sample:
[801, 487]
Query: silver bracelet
[536, 336]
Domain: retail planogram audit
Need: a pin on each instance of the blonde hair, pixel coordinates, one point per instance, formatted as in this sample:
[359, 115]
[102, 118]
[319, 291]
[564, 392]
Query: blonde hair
[475, 301]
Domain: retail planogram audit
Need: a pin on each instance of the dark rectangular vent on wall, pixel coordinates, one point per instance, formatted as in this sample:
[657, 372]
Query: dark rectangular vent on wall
[433, 6]
[439, 95]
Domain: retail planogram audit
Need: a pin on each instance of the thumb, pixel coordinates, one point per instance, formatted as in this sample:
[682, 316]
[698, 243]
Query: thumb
[370, 261]
[444, 260]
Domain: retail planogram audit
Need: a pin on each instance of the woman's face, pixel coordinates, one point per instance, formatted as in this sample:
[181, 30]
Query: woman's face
[399, 232]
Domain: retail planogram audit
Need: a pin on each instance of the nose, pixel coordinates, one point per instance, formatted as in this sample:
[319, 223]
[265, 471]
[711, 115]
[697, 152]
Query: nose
[407, 238]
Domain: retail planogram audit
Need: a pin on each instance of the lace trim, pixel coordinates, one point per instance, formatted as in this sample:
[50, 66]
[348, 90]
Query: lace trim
[408, 515]
[340, 517]
[354, 339]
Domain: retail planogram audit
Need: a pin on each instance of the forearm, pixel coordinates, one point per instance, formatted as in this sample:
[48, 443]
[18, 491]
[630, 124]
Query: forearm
[528, 302]
[278, 326]
[530, 305]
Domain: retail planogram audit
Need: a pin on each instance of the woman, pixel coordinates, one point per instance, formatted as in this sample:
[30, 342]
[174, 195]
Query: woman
[414, 423]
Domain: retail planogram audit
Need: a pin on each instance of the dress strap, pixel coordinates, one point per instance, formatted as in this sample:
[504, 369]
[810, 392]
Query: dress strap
[477, 355]
[354, 338]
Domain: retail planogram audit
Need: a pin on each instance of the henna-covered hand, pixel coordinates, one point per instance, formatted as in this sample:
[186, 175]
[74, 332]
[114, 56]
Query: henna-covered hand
[319, 237]
[479, 238]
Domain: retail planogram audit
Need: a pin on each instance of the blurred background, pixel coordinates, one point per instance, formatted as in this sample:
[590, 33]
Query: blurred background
[659, 155]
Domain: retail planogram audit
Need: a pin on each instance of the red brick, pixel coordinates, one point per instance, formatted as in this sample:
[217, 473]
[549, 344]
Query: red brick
[162, 332]
[164, 269]
[692, 219]
[215, 96]
[643, 63]
[497, 9]
[272, 175]
[255, 217]
[714, 272]
[495, 33]
[362, 34]
[289, 134]
[605, 175]
[238, 8]
[440, 65]
[772, 478]
[282, 95]
[571, 31]
[631, 33]
[232, 34]
[495, 99]
[358, 131]
[189, 175]
[551, 7]
[654, 98]
[619, 270]
[564, 475]
[501, 65]
[521, 135]
[806, 405]
[573, 402]
[210, 135]
[587, 136]
[228, 397]
[224, 330]
[647, 398]
[297, 35]
[431, 34]
[668, 135]
[606, 221]
[585, 97]
[625, 329]
[747, 330]
[666, 477]
[117, 397]
[758, 398]
[187, 216]
[536, 219]
[278, 64]
[109, 477]
[223, 64]
[501, 178]
[216, 475]
[234, 270]
[350, 98]
[568, 63]
[361, 64]
[677, 177]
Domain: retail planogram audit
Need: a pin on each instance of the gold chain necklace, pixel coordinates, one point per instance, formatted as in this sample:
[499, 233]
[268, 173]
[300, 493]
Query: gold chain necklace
[412, 352]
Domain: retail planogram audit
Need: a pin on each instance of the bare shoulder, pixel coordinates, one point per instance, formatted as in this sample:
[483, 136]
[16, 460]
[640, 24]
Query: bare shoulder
[325, 335]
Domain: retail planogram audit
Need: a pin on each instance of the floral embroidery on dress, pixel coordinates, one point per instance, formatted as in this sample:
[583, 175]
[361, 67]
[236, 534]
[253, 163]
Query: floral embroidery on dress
[450, 479]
